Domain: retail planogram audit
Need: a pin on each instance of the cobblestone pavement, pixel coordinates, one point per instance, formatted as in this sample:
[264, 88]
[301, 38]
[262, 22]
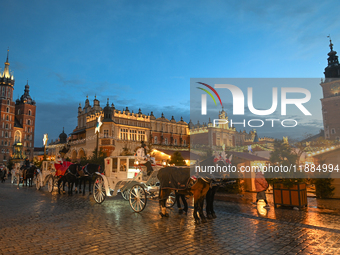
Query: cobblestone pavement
[38, 222]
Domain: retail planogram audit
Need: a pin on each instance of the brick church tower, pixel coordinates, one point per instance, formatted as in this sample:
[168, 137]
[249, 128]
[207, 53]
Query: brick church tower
[17, 120]
[25, 122]
[7, 113]
[331, 96]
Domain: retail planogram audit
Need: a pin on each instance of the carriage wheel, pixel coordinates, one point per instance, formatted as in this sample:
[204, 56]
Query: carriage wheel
[125, 194]
[50, 184]
[99, 193]
[170, 202]
[137, 198]
[37, 182]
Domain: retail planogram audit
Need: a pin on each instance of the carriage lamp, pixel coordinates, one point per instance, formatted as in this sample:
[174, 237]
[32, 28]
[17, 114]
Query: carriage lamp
[164, 163]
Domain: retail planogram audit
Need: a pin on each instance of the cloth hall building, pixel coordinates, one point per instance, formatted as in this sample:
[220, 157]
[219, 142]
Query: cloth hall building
[121, 132]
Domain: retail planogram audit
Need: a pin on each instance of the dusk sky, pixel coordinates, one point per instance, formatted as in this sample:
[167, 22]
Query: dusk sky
[142, 54]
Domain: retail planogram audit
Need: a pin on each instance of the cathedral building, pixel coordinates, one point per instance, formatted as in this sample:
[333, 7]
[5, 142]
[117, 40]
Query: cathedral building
[331, 96]
[17, 120]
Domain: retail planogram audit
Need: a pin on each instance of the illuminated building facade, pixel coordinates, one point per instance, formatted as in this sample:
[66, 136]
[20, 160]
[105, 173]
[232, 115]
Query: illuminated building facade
[122, 132]
[17, 120]
[218, 136]
[331, 96]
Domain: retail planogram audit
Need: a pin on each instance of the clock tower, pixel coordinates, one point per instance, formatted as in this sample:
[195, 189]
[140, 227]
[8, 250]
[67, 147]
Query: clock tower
[331, 96]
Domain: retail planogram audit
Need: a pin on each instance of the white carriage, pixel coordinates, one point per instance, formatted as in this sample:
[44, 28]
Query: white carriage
[48, 174]
[125, 174]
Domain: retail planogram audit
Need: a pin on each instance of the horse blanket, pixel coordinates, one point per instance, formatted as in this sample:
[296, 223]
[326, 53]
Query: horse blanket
[61, 168]
[174, 178]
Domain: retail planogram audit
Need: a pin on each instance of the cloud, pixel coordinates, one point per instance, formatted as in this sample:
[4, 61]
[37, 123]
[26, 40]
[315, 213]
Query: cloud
[65, 82]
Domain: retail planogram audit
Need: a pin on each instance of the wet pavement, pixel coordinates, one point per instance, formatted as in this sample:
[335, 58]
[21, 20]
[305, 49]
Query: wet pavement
[38, 222]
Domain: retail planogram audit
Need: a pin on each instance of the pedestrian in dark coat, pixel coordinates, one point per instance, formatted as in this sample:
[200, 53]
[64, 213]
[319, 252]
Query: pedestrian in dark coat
[261, 186]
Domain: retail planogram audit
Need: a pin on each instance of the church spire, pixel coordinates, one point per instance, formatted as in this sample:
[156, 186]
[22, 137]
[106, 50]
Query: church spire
[6, 71]
[333, 68]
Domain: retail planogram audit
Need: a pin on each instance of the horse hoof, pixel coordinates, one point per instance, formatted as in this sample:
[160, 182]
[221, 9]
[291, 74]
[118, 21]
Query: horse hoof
[164, 214]
[180, 211]
[214, 215]
[209, 216]
[197, 222]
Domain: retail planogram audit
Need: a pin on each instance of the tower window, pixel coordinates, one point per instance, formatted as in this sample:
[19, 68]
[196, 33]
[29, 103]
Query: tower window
[18, 111]
[7, 117]
[8, 102]
[333, 131]
[29, 112]
[29, 122]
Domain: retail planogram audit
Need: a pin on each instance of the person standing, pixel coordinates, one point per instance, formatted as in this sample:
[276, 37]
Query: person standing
[261, 186]
[2, 174]
[12, 174]
[17, 173]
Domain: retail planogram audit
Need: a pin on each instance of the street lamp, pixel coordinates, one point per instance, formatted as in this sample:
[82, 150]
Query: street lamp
[45, 139]
[97, 130]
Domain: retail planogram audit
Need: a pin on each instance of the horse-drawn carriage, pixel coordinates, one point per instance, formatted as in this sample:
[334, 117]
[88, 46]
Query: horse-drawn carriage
[135, 181]
[50, 173]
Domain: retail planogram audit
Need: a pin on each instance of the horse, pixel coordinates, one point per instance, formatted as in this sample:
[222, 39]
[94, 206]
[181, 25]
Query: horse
[87, 174]
[215, 183]
[30, 171]
[172, 178]
[22, 173]
[71, 177]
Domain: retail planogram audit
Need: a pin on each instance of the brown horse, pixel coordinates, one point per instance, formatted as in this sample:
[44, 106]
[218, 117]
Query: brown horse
[172, 178]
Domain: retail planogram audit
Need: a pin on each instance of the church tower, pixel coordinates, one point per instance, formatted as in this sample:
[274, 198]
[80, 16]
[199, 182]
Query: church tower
[25, 122]
[7, 113]
[331, 96]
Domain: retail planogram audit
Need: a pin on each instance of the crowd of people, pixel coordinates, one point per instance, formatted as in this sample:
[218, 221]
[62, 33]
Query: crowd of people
[15, 174]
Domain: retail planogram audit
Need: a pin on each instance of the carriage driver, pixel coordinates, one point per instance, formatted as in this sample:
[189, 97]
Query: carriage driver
[144, 158]
[58, 160]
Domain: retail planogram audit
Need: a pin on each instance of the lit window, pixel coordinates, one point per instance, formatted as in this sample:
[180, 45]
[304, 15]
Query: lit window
[123, 134]
[106, 133]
